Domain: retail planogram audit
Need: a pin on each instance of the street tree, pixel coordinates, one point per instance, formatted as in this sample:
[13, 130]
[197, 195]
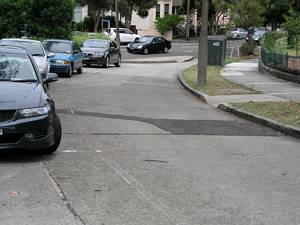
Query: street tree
[292, 26]
[96, 9]
[246, 13]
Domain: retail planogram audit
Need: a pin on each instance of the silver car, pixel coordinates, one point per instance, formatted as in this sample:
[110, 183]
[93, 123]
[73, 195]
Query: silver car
[35, 48]
[238, 33]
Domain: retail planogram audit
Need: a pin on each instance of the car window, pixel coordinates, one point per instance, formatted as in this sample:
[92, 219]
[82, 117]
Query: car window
[34, 48]
[122, 31]
[16, 67]
[155, 40]
[128, 31]
[58, 47]
[95, 44]
[161, 40]
[144, 40]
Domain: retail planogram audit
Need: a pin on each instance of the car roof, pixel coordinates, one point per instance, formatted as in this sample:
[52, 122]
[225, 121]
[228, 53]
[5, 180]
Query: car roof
[13, 49]
[59, 40]
[21, 40]
[97, 40]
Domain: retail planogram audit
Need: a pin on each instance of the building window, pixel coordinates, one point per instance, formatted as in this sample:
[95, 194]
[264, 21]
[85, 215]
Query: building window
[157, 10]
[78, 14]
[167, 9]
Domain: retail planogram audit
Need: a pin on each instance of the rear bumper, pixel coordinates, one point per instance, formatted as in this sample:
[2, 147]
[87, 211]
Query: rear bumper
[28, 134]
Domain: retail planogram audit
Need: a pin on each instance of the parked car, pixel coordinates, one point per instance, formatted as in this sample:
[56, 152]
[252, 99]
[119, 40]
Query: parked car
[101, 52]
[27, 112]
[258, 32]
[126, 35]
[149, 44]
[68, 56]
[238, 33]
[36, 49]
[258, 36]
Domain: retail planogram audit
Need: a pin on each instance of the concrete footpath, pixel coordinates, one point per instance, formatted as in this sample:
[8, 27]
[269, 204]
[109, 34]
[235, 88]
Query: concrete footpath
[247, 74]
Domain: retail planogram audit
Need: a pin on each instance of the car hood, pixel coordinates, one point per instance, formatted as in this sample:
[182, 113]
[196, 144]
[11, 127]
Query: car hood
[93, 50]
[62, 56]
[136, 44]
[19, 95]
[40, 61]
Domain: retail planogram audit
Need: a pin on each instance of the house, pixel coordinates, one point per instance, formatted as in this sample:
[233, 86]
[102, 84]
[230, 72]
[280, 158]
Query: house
[80, 12]
[146, 26]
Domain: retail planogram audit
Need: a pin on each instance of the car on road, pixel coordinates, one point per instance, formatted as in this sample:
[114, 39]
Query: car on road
[238, 33]
[68, 56]
[149, 44]
[101, 52]
[126, 35]
[27, 112]
[258, 36]
[36, 49]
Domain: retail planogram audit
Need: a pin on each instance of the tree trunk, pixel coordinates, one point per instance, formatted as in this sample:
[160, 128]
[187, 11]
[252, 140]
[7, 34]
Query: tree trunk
[96, 22]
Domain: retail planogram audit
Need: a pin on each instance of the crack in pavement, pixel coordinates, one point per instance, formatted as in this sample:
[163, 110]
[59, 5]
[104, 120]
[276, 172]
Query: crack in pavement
[62, 193]
[188, 127]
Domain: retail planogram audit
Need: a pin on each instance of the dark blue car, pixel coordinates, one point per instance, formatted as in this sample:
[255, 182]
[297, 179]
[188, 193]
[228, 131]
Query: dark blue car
[68, 56]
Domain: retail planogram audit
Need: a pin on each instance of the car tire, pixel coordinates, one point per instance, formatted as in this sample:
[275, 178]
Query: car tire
[146, 51]
[57, 137]
[80, 69]
[70, 72]
[106, 63]
[118, 64]
[166, 50]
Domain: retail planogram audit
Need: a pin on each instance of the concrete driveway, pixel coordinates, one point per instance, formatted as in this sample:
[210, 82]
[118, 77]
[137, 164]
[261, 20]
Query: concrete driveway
[138, 149]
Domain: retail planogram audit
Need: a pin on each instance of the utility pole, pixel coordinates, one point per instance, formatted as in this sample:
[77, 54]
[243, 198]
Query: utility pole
[203, 48]
[117, 23]
[188, 8]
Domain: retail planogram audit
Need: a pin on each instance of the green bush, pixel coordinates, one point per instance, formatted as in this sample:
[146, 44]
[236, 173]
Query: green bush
[167, 23]
[247, 49]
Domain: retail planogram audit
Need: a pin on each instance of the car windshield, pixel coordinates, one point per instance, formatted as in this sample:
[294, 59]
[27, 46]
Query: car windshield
[34, 48]
[95, 44]
[144, 40]
[57, 47]
[17, 68]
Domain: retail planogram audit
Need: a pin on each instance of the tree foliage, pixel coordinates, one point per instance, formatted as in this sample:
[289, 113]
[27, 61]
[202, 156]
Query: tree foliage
[292, 26]
[43, 18]
[167, 23]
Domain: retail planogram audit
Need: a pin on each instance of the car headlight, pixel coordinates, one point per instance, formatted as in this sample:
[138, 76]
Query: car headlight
[62, 62]
[33, 112]
[140, 47]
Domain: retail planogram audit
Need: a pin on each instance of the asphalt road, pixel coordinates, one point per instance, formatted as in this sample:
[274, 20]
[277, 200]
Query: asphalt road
[138, 149]
[186, 49]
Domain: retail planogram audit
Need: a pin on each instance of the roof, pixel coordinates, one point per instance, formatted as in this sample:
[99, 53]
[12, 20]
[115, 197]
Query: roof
[59, 40]
[13, 49]
[21, 40]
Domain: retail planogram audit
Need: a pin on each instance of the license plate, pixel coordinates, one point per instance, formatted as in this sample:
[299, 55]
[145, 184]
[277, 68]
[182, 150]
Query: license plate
[1, 132]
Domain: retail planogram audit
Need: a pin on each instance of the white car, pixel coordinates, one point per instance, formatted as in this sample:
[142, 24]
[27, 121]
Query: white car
[126, 35]
[35, 48]
[238, 33]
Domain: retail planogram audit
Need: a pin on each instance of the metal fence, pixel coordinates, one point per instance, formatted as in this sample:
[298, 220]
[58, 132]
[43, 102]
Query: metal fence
[283, 62]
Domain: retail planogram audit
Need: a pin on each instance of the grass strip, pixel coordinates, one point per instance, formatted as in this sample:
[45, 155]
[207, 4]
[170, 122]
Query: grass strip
[284, 112]
[216, 84]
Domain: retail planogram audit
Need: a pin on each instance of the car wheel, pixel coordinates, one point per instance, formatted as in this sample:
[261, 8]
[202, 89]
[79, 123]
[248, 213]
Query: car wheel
[79, 71]
[118, 64]
[57, 137]
[146, 51]
[70, 72]
[166, 50]
[106, 63]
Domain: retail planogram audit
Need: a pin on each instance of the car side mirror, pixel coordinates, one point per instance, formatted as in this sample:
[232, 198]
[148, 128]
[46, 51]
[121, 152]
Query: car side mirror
[50, 55]
[51, 77]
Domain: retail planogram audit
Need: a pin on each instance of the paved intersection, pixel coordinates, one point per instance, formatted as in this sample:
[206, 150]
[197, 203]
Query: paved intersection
[139, 149]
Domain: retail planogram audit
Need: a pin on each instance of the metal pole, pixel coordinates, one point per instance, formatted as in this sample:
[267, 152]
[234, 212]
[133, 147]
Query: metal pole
[203, 48]
[117, 22]
[188, 8]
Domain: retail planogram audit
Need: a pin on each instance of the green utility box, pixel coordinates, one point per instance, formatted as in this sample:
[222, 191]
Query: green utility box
[217, 47]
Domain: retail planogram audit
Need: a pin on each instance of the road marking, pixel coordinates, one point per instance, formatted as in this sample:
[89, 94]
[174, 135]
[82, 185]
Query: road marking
[69, 151]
